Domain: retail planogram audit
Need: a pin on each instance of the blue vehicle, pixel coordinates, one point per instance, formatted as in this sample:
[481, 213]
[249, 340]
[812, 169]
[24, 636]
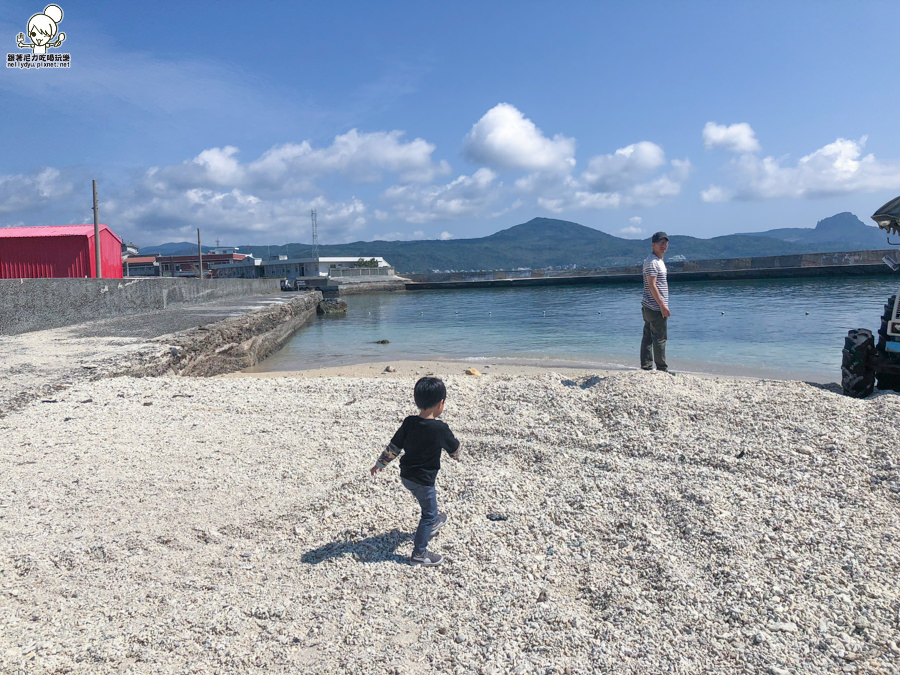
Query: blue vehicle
[866, 359]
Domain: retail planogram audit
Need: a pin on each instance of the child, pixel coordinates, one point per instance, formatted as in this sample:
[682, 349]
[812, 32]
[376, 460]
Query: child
[422, 437]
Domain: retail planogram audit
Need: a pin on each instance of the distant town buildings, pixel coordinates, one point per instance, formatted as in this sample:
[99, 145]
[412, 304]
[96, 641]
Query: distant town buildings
[226, 263]
[283, 267]
[189, 265]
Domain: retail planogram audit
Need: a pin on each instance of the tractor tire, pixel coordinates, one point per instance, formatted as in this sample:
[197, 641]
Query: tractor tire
[857, 369]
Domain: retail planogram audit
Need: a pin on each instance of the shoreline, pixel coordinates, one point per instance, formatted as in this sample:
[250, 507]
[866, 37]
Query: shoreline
[509, 366]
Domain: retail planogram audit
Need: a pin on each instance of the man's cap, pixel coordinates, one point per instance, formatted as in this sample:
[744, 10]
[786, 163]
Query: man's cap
[659, 236]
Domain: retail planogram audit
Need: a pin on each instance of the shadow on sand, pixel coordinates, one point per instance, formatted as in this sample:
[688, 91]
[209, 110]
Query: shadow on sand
[833, 387]
[380, 548]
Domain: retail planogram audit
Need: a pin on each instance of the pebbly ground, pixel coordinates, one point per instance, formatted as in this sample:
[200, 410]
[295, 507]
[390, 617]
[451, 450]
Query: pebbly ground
[654, 524]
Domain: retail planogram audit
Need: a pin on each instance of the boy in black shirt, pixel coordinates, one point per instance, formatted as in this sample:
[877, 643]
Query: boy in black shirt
[422, 437]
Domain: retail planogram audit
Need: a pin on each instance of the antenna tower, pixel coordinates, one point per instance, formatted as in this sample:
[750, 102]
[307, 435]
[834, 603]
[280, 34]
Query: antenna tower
[315, 235]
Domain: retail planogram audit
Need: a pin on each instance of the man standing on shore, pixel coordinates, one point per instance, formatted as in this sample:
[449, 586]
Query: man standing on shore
[655, 305]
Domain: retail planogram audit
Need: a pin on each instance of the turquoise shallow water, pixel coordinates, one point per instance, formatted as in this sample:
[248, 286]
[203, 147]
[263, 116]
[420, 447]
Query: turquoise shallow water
[786, 329]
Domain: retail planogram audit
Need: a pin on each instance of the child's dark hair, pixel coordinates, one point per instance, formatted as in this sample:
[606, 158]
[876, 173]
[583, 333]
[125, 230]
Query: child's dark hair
[429, 392]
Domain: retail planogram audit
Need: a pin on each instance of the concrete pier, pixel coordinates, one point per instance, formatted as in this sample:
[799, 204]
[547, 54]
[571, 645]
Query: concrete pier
[851, 263]
[39, 304]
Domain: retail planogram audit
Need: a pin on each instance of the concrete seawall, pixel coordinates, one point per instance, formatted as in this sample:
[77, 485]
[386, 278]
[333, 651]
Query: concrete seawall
[852, 263]
[39, 304]
[234, 343]
[210, 339]
[333, 288]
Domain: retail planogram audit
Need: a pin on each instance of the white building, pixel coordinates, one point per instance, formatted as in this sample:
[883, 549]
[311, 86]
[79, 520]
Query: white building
[282, 267]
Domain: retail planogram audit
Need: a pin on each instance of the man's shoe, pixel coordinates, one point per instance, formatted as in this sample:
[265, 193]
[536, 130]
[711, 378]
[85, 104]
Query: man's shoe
[426, 558]
[439, 523]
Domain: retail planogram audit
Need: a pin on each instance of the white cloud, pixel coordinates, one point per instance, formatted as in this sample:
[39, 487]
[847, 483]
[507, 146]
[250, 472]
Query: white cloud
[634, 176]
[232, 214]
[464, 196]
[444, 236]
[358, 156]
[293, 168]
[272, 193]
[624, 168]
[738, 137]
[221, 166]
[505, 139]
[541, 183]
[634, 229]
[580, 200]
[836, 168]
[24, 192]
[715, 193]
[661, 187]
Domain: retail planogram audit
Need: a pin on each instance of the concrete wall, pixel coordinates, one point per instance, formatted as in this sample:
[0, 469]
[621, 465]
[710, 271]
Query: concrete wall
[807, 264]
[37, 304]
[335, 288]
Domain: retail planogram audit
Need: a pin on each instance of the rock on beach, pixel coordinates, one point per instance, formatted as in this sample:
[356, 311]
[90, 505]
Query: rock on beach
[653, 524]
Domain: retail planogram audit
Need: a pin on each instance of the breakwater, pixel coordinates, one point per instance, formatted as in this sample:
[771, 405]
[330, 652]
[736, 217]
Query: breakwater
[332, 287]
[234, 343]
[849, 263]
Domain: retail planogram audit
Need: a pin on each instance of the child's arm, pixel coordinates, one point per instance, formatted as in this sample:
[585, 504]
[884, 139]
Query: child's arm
[455, 455]
[390, 453]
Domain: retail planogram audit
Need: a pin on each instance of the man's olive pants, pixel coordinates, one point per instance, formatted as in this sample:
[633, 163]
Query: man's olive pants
[653, 344]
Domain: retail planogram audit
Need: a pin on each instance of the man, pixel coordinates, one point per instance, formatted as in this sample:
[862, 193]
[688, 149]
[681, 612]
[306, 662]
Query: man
[655, 305]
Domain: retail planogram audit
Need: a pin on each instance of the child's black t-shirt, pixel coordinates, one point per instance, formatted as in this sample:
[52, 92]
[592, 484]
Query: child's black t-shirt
[422, 441]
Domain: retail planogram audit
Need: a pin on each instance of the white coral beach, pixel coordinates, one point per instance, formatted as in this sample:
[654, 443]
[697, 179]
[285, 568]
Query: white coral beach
[653, 524]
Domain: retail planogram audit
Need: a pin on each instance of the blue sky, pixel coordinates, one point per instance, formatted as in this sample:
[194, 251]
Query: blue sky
[430, 120]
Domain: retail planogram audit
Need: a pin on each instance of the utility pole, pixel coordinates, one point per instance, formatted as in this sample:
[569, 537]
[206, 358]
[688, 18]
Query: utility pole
[200, 252]
[99, 271]
[315, 235]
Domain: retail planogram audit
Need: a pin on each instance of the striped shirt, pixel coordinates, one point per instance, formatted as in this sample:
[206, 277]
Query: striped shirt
[655, 267]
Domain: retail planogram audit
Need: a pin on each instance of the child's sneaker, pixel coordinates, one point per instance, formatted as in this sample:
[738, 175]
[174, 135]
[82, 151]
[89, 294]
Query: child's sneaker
[426, 558]
[441, 521]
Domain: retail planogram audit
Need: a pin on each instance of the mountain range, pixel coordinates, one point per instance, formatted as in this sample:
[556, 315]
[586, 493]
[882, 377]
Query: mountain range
[547, 242]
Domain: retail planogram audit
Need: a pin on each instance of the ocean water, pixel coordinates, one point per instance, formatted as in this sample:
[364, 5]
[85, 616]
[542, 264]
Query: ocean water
[784, 328]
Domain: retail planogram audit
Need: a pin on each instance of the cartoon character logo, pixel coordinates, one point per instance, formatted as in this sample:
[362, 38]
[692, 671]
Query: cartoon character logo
[42, 28]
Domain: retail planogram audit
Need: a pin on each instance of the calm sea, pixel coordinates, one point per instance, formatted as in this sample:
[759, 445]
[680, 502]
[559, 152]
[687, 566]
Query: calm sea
[786, 328]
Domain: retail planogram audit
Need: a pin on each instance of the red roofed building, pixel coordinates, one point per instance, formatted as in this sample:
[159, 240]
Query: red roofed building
[189, 265]
[140, 266]
[58, 251]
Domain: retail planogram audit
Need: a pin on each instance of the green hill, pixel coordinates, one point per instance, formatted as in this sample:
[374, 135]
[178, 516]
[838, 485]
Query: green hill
[547, 242]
